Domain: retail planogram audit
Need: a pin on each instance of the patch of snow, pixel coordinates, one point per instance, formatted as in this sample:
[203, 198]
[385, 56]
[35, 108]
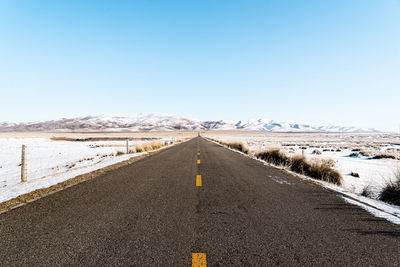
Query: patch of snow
[391, 217]
[51, 162]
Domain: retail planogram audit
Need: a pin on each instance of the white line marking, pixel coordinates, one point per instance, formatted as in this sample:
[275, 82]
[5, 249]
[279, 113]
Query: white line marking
[278, 180]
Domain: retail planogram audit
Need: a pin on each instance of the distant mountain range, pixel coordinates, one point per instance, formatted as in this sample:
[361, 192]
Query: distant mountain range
[155, 122]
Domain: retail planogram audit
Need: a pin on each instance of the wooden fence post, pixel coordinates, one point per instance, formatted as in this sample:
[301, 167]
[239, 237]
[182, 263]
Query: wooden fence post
[127, 147]
[23, 164]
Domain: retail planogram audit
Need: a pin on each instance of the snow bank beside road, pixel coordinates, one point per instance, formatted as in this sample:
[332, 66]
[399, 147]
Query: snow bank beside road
[52, 162]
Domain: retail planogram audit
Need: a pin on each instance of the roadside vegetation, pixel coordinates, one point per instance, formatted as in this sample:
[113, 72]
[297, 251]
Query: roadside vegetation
[148, 147]
[234, 145]
[357, 163]
[318, 169]
[391, 192]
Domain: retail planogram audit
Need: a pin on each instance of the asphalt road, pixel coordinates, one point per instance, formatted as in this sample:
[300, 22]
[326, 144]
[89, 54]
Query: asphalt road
[151, 213]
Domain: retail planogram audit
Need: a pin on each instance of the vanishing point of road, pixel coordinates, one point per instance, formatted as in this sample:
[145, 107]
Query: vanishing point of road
[196, 204]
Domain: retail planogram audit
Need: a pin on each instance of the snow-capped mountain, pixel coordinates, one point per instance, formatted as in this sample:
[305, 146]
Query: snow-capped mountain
[155, 122]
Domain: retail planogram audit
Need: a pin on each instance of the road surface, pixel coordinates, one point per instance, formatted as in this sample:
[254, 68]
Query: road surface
[170, 209]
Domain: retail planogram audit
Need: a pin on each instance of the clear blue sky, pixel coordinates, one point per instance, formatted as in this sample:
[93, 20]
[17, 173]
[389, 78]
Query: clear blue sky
[316, 62]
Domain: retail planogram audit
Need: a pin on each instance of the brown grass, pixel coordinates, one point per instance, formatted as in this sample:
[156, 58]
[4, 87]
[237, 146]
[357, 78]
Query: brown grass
[63, 139]
[156, 145]
[317, 152]
[317, 169]
[71, 165]
[299, 164]
[274, 156]
[139, 148]
[238, 146]
[366, 153]
[149, 147]
[322, 170]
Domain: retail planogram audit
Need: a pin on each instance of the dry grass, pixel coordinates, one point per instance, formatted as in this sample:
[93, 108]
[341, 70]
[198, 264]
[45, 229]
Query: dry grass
[299, 164]
[62, 139]
[149, 147]
[322, 170]
[367, 192]
[119, 153]
[274, 156]
[233, 145]
[391, 193]
[354, 155]
[156, 145]
[139, 148]
[317, 169]
[238, 146]
[71, 166]
[385, 156]
[366, 153]
[317, 152]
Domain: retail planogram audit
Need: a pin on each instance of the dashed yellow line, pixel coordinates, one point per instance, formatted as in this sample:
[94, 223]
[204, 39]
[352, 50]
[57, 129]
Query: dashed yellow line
[199, 260]
[198, 180]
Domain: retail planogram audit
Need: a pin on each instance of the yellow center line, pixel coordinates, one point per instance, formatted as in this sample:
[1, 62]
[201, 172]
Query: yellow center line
[199, 260]
[198, 180]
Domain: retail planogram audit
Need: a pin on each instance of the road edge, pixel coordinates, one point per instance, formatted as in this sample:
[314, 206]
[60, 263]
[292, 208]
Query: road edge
[43, 192]
[340, 192]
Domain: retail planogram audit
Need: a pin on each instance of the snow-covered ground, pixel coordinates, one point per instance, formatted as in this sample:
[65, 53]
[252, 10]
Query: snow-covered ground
[51, 162]
[374, 173]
